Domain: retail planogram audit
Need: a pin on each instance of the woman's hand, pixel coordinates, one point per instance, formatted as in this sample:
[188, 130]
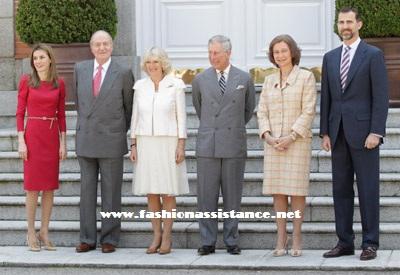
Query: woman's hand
[284, 143]
[270, 140]
[22, 150]
[63, 146]
[63, 152]
[180, 151]
[133, 154]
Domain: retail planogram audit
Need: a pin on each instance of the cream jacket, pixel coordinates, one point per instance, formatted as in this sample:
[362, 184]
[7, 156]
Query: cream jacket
[292, 108]
[161, 113]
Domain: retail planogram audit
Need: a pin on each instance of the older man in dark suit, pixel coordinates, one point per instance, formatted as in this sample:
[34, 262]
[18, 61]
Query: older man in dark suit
[104, 104]
[354, 107]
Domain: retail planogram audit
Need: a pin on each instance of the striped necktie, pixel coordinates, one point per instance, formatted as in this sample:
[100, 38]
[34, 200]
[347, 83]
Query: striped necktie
[344, 67]
[222, 83]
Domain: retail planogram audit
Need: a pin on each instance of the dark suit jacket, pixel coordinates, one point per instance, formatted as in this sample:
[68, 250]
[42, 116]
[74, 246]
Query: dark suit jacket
[103, 121]
[222, 131]
[363, 106]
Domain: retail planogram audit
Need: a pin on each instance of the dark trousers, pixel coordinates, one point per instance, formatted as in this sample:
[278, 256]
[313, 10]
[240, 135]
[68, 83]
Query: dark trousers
[365, 164]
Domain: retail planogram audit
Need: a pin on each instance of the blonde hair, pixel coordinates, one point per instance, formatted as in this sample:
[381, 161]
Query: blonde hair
[157, 54]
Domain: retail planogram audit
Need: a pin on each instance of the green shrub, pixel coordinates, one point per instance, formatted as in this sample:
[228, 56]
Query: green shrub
[64, 21]
[381, 18]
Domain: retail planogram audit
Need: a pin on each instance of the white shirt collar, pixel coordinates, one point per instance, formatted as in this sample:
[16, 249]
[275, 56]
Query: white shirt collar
[354, 45]
[226, 72]
[104, 66]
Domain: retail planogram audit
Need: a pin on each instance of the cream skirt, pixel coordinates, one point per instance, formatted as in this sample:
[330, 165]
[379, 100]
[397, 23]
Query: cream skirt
[155, 170]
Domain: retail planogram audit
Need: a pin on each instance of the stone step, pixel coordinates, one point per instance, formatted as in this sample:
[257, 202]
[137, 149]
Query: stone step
[320, 162]
[8, 122]
[9, 140]
[192, 122]
[16, 260]
[319, 209]
[253, 235]
[320, 184]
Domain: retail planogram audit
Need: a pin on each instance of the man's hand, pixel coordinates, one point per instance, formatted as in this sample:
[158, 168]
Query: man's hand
[326, 143]
[372, 141]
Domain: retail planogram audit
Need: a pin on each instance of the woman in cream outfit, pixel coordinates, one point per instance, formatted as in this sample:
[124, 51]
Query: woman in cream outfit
[158, 133]
[285, 114]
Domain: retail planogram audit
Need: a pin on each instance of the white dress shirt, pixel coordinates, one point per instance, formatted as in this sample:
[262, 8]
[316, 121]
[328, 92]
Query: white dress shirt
[353, 49]
[226, 73]
[103, 71]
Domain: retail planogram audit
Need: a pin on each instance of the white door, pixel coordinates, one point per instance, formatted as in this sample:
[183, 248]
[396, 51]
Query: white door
[183, 27]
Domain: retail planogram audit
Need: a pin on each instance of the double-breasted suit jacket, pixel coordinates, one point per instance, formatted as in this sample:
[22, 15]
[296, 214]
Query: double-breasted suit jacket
[103, 121]
[222, 131]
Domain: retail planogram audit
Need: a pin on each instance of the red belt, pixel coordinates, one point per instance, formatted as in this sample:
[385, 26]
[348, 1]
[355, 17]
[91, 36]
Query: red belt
[44, 118]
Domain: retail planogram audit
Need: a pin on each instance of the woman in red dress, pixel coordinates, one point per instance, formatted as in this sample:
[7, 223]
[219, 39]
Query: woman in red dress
[41, 144]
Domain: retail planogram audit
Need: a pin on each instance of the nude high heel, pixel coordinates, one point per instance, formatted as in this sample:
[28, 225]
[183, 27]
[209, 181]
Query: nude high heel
[166, 250]
[295, 252]
[46, 245]
[282, 251]
[153, 249]
[35, 247]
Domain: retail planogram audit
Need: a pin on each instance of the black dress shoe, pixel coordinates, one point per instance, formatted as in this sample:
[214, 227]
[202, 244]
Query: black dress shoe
[206, 249]
[368, 253]
[233, 249]
[338, 251]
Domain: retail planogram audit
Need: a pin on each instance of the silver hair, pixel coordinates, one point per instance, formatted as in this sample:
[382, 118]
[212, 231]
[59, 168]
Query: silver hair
[157, 54]
[101, 32]
[223, 40]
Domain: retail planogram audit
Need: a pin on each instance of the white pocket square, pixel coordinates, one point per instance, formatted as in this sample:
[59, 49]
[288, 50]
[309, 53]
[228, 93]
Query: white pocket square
[239, 87]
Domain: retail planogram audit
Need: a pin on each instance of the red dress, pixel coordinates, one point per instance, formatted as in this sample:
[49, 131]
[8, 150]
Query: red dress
[42, 137]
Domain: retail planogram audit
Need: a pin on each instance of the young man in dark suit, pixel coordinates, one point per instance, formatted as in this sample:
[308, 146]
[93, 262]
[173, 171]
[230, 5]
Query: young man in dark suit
[354, 108]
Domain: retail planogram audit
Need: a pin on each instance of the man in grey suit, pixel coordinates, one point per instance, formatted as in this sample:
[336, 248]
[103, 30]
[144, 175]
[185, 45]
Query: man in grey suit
[224, 99]
[104, 104]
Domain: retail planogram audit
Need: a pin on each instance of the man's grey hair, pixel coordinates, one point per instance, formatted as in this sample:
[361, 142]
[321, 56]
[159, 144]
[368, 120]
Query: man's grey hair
[101, 32]
[223, 40]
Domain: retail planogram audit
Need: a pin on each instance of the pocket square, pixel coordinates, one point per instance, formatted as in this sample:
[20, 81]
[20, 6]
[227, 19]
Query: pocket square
[239, 87]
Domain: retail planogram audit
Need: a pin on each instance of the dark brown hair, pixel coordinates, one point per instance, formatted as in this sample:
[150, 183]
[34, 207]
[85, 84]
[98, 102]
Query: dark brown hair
[52, 76]
[294, 49]
[351, 9]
